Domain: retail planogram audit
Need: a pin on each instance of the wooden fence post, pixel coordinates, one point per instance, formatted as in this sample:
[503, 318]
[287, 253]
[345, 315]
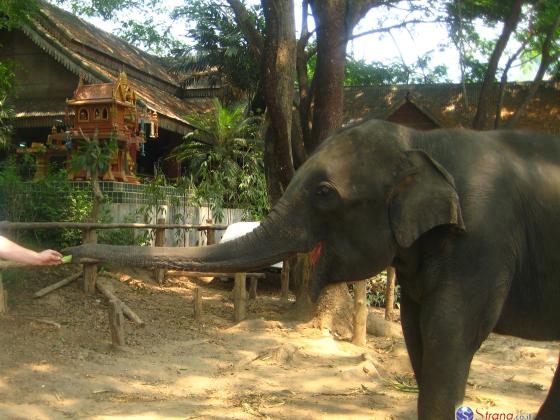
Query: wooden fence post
[90, 270]
[240, 297]
[159, 273]
[359, 333]
[197, 301]
[285, 281]
[390, 293]
[3, 297]
[253, 288]
[116, 323]
[210, 234]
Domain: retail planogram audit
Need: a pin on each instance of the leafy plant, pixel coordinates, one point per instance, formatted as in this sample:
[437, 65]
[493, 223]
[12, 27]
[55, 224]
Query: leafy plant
[223, 157]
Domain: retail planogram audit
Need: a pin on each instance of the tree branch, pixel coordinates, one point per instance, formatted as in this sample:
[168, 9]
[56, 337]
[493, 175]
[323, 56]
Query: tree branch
[243, 19]
[396, 26]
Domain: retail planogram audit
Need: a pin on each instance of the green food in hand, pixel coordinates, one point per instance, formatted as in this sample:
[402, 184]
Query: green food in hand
[66, 259]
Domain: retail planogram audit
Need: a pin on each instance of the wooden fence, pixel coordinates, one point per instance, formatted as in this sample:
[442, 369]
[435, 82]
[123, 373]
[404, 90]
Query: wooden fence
[91, 283]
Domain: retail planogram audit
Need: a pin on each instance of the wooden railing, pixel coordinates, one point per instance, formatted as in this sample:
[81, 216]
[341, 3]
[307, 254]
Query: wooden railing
[118, 308]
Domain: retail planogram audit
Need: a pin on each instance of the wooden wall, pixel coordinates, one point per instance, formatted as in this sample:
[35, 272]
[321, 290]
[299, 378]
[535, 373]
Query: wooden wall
[38, 75]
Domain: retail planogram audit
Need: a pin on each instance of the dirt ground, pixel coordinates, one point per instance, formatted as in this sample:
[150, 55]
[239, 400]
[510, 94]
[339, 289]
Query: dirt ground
[176, 368]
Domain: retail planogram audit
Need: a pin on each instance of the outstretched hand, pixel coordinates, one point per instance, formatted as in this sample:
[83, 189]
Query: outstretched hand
[49, 257]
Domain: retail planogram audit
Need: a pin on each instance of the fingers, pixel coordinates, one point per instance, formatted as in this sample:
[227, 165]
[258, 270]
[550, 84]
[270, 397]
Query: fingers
[50, 257]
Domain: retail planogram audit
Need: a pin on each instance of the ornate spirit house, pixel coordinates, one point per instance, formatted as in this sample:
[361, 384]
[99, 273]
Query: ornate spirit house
[108, 112]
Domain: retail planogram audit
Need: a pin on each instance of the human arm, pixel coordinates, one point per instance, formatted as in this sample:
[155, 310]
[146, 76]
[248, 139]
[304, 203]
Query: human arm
[11, 251]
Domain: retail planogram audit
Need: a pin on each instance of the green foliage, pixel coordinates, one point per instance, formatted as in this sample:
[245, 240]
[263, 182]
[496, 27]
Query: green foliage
[94, 157]
[375, 291]
[360, 73]
[6, 114]
[16, 12]
[51, 199]
[223, 158]
[219, 52]
[156, 198]
[466, 17]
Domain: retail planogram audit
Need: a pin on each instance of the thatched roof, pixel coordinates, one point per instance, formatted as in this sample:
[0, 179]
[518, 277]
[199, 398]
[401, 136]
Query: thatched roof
[447, 105]
[99, 57]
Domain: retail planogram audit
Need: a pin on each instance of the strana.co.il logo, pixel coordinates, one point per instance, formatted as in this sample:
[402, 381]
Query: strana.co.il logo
[464, 413]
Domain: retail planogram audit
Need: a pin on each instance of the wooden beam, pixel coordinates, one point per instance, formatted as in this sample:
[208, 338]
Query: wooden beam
[240, 297]
[58, 285]
[130, 314]
[116, 322]
[359, 332]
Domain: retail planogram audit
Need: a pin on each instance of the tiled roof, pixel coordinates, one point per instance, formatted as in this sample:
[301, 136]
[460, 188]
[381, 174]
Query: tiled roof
[448, 105]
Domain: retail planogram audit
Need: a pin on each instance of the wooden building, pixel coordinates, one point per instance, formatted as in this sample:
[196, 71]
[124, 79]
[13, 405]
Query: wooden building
[57, 50]
[432, 106]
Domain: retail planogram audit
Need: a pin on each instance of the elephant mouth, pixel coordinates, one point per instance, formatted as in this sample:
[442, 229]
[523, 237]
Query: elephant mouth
[316, 253]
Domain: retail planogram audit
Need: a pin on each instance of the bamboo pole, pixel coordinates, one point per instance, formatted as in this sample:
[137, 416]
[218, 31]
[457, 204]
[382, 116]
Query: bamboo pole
[58, 285]
[90, 269]
[197, 304]
[390, 293]
[240, 297]
[159, 273]
[359, 333]
[130, 314]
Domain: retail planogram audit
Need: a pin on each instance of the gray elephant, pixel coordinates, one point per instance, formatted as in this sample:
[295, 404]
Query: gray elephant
[470, 220]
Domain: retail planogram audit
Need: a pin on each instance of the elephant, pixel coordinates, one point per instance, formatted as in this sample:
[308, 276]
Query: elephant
[469, 220]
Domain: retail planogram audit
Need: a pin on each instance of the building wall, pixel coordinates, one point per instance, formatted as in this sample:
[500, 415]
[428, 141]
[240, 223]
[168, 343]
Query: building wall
[411, 116]
[38, 75]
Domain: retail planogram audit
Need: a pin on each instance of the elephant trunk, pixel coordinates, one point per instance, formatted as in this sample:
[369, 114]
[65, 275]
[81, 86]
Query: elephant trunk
[267, 244]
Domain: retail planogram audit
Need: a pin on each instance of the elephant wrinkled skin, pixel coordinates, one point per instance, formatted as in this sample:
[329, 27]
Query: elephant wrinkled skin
[470, 220]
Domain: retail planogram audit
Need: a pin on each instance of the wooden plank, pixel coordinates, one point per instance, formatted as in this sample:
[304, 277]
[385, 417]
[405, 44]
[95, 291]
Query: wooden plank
[197, 303]
[58, 285]
[240, 297]
[359, 332]
[130, 314]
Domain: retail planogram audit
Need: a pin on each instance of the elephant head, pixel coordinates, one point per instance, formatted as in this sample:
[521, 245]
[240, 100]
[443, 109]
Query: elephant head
[365, 193]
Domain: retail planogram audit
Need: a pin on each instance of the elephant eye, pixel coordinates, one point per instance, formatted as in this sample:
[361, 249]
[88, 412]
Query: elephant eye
[324, 189]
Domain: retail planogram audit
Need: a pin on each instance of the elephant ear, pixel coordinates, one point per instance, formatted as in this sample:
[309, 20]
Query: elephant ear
[424, 197]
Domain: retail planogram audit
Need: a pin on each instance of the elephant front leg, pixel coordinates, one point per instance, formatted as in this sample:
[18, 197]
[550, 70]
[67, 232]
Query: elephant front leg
[410, 322]
[451, 333]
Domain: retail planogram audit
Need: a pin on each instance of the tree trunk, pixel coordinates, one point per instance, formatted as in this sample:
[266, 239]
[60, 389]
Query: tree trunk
[546, 59]
[487, 90]
[278, 72]
[332, 35]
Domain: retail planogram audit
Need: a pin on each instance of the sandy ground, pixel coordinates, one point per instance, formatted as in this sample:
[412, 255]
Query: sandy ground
[176, 368]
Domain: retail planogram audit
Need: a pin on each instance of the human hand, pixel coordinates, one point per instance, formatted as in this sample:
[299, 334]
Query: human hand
[49, 257]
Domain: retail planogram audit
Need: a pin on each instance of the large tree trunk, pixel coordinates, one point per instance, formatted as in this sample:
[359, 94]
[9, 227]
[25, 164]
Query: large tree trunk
[485, 103]
[278, 73]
